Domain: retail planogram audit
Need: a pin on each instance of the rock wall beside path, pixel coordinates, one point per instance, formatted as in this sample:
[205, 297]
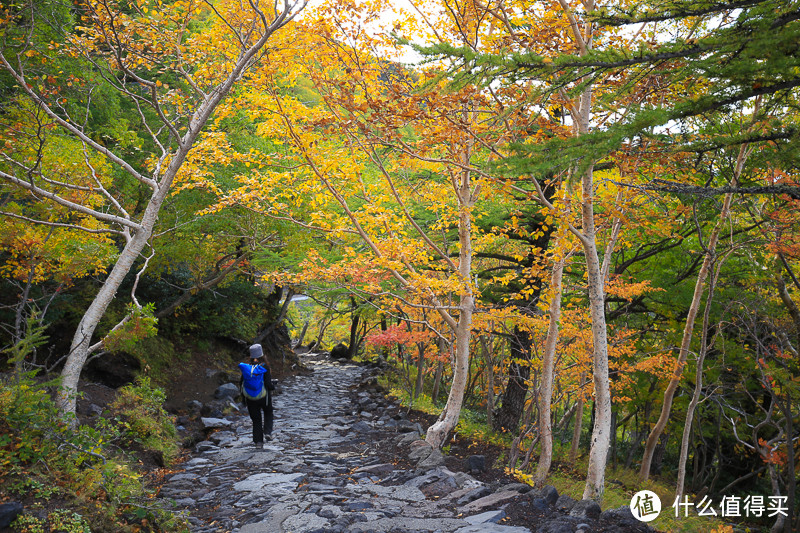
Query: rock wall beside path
[329, 469]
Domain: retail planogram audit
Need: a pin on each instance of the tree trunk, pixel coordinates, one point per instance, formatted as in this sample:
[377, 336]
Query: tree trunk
[384, 356]
[512, 403]
[601, 433]
[354, 342]
[489, 361]
[438, 432]
[161, 183]
[302, 335]
[672, 386]
[513, 454]
[576, 430]
[80, 348]
[698, 387]
[420, 370]
[780, 520]
[546, 386]
[437, 377]
[278, 323]
[323, 326]
[791, 484]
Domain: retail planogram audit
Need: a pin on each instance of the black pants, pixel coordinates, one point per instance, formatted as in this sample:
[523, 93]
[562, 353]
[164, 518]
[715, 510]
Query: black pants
[255, 408]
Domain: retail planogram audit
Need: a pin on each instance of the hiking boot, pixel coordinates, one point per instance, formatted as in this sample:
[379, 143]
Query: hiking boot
[258, 445]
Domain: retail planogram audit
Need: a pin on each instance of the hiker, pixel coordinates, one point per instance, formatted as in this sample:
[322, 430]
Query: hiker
[256, 386]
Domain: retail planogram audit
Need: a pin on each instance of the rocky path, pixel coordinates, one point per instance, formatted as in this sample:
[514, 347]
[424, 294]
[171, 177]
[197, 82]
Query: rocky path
[328, 470]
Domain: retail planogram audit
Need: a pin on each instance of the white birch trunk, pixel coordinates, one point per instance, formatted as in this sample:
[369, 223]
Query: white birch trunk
[546, 387]
[601, 433]
[81, 347]
[438, 432]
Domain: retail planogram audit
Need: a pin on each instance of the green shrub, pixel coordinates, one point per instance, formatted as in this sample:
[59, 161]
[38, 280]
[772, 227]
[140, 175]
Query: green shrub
[144, 420]
[61, 520]
[68, 521]
[80, 469]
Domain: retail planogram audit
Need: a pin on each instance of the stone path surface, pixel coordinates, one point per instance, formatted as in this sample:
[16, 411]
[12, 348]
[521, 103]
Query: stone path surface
[323, 472]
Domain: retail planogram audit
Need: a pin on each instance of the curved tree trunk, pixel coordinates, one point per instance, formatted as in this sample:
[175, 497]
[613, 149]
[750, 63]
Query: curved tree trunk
[80, 347]
[160, 184]
[489, 362]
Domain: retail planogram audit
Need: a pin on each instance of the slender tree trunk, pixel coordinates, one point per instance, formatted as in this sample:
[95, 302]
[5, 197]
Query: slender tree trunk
[161, 184]
[791, 483]
[263, 334]
[548, 366]
[420, 370]
[80, 348]
[601, 433]
[489, 361]
[698, 386]
[576, 430]
[524, 431]
[19, 317]
[790, 305]
[680, 363]
[323, 326]
[437, 376]
[354, 321]
[302, 335]
[438, 432]
[780, 520]
[565, 417]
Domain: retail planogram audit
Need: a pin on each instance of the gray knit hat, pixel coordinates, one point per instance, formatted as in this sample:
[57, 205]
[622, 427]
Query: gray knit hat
[256, 352]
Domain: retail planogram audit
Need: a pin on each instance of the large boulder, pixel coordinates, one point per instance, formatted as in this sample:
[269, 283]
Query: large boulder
[9, 512]
[113, 371]
[227, 390]
[585, 509]
[340, 351]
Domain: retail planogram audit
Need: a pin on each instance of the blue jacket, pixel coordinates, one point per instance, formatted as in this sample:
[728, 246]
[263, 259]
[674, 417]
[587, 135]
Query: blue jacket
[255, 379]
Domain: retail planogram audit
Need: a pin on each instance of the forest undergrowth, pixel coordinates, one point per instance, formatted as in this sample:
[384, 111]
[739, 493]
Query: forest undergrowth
[566, 475]
[81, 476]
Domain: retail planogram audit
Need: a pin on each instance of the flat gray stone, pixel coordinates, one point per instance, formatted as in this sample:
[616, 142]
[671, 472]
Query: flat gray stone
[361, 427]
[493, 528]
[379, 469]
[213, 423]
[398, 492]
[258, 482]
[433, 460]
[487, 517]
[184, 476]
[205, 446]
[443, 525]
[304, 522]
[489, 501]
